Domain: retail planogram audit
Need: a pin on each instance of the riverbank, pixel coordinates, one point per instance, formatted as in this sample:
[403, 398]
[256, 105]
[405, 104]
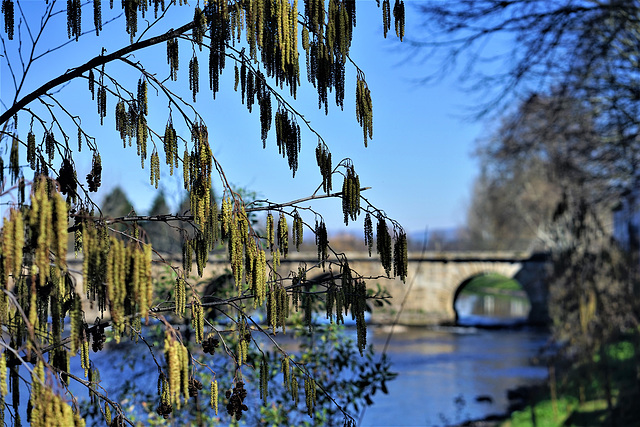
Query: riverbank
[603, 392]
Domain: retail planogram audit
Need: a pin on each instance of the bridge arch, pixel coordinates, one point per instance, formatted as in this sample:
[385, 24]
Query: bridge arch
[500, 306]
[466, 272]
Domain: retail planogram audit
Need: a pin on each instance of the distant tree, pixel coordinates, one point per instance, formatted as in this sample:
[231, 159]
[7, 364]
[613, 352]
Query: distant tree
[51, 94]
[540, 151]
[583, 53]
[116, 204]
[166, 239]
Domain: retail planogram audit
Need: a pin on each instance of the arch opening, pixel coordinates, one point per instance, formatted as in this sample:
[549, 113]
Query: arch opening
[491, 299]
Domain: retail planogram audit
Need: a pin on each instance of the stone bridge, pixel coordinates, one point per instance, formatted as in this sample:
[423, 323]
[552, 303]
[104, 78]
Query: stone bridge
[436, 278]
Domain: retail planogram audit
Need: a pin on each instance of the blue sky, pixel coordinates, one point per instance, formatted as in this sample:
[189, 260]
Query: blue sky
[419, 163]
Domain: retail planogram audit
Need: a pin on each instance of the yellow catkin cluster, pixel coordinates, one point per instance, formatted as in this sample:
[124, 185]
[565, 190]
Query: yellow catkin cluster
[285, 368]
[200, 168]
[122, 122]
[310, 394]
[264, 379]
[298, 230]
[107, 413]
[154, 167]
[85, 363]
[186, 165]
[76, 316]
[3, 374]
[180, 295]
[283, 236]
[197, 318]
[278, 303]
[214, 396]
[386, 16]
[364, 108]
[323, 158]
[270, 231]
[259, 278]
[142, 134]
[294, 389]
[48, 220]
[12, 246]
[398, 16]
[351, 195]
[200, 29]
[244, 336]
[47, 408]
[177, 359]
[170, 142]
[235, 228]
[128, 280]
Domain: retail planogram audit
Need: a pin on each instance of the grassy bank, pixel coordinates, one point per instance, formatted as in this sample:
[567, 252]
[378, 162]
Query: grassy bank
[493, 284]
[601, 392]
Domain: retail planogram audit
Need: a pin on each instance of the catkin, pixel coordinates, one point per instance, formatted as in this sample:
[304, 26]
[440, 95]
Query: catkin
[383, 244]
[8, 12]
[286, 373]
[31, 150]
[368, 232]
[283, 236]
[3, 374]
[398, 16]
[179, 292]
[214, 396]
[298, 230]
[197, 318]
[400, 260]
[194, 76]
[173, 58]
[310, 394]
[364, 108]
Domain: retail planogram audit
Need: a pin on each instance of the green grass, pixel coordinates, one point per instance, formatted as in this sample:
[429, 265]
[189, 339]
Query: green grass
[491, 283]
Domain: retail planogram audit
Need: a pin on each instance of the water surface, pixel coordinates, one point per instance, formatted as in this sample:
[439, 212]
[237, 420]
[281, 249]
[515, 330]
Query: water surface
[443, 371]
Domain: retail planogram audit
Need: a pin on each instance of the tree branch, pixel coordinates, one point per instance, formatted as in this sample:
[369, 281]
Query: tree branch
[92, 63]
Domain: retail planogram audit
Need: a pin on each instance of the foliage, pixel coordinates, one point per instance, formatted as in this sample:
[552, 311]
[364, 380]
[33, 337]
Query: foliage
[45, 304]
[581, 392]
[330, 356]
[570, 68]
[546, 147]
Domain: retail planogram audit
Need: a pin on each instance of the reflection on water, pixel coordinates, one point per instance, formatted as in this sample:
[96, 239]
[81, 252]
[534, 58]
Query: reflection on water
[474, 309]
[442, 372]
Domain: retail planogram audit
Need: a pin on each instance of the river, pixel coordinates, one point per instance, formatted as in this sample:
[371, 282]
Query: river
[443, 371]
